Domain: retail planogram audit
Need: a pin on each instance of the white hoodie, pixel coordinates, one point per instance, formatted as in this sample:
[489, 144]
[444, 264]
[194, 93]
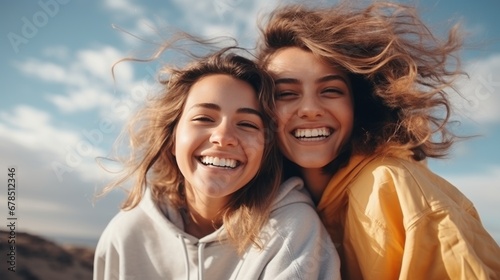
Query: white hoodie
[148, 242]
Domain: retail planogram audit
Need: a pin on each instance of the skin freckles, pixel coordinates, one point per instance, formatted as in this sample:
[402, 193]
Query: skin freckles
[315, 110]
[314, 106]
[219, 139]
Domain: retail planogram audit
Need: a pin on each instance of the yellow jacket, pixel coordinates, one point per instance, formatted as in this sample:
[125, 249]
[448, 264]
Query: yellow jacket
[392, 218]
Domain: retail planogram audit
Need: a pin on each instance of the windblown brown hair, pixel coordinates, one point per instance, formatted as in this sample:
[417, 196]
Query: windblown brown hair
[398, 70]
[151, 134]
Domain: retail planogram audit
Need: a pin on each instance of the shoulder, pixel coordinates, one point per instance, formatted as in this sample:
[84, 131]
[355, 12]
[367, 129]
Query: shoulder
[406, 175]
[390, 183]
[291, 191]
[382, 164]
[122, 227]
[385, 171]
[395, 178]
[298, 239]
[406, 185]
[128, 226]
[293, 208]
[126, 219]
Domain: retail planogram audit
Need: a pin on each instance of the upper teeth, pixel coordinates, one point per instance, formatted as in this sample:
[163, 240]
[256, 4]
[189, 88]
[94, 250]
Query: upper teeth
[216, 161]
[315, 132]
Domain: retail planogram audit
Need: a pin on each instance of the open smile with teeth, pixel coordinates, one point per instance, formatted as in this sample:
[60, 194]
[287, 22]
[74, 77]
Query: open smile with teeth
[219, 162]
[314, 134]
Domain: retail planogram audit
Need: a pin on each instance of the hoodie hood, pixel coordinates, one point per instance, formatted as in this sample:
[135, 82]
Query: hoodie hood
[149, 242]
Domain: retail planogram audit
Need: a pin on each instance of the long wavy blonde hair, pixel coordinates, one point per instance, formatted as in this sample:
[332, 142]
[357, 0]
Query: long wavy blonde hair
[151, 133]
[398, 69]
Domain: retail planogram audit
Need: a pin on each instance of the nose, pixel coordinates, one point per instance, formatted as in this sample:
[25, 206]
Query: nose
[224, 135]
[310, 106]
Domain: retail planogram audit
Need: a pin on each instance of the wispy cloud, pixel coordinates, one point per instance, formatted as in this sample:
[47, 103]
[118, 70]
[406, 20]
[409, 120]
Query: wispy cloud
[58, 52]
[208, 19]
[33, 129]
[233, 18]
[85, 77]
[481, 91]
[483, 190]
[47, 71]
[46, 205]
[123, 7]
[65, 151]
[97, 63]
[82, 100]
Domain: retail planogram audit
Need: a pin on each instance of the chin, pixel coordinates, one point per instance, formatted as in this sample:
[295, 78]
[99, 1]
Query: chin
[310, 165]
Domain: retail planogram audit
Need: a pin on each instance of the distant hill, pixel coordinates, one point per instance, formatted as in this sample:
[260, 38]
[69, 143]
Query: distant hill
[39, 258]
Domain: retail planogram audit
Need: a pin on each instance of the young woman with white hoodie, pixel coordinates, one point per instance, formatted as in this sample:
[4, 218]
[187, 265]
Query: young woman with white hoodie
[206, 202]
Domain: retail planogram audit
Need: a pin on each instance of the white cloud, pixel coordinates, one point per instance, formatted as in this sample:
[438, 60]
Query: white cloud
[98, 63]
[236, 18]
[59, 52]
[55, 202]
[49, 207]
[88, 80]
[123, 7]
[82, 100]
[483, 190]
[481, 91]
[46, 71]
[35, 205]
[67, 151]
[32, 128]
[91, 65]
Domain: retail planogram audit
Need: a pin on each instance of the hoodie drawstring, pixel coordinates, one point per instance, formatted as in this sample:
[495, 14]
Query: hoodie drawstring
[200, 260]
[186, 258]
[201, 248]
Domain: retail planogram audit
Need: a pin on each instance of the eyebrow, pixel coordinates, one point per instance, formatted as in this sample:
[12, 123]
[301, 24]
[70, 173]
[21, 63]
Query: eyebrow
[320, 80]
[332, 78]
[286, 81]
[243, 110]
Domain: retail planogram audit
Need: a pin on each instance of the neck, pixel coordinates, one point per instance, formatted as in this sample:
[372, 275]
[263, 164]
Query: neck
[199, 225]
[316, 182]
[202, 216]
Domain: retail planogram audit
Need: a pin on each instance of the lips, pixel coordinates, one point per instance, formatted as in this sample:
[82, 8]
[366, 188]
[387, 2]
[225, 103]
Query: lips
[312, 134]
[219, 162]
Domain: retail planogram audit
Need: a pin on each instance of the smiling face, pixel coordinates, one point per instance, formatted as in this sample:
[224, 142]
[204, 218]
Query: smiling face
[314, 106]
[219, 139]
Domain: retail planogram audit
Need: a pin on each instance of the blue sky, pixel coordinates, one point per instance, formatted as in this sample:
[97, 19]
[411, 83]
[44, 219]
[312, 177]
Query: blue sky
[60, 108]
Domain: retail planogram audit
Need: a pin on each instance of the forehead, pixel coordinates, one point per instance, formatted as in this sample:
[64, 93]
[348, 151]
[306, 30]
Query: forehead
[222, 89]
[294, 61]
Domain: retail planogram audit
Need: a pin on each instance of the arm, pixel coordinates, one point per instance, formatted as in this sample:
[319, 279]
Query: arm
[448, 240]
[450, 243]
[405, 221]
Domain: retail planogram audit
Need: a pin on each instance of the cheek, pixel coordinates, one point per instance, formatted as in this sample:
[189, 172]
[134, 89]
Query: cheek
[282, 144]
[254, 146]
[282, 131]
[346, 116]
[183, 139]
[283, 112]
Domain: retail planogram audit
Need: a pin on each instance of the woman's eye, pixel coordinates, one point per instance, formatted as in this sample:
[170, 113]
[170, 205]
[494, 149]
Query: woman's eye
[249, 125]
[202, 119]
[285, 95]
[332, 91]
